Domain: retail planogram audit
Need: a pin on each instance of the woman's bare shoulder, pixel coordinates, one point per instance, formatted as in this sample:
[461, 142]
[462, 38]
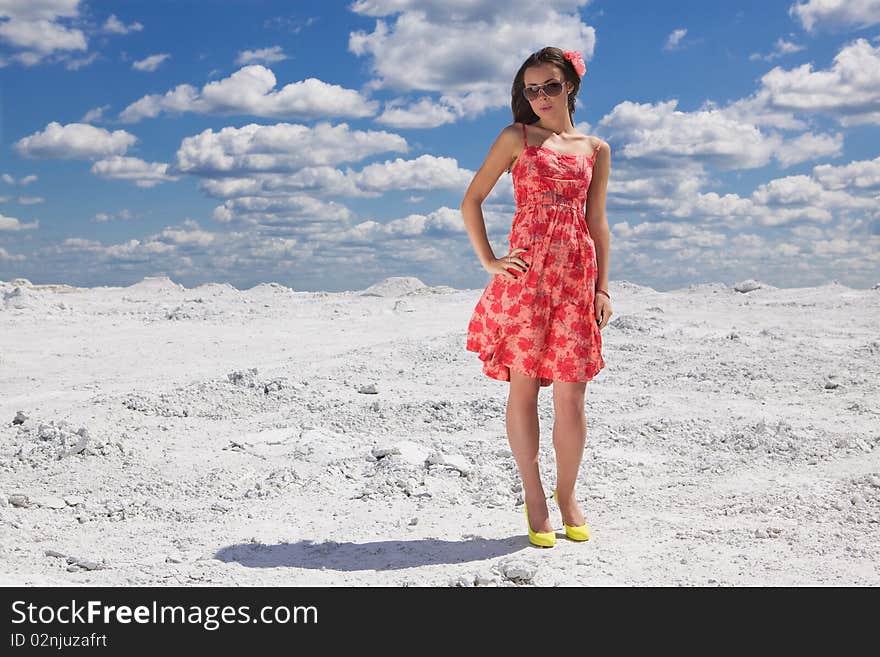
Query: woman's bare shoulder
[514, 130]
[598, 142]
[512, 136]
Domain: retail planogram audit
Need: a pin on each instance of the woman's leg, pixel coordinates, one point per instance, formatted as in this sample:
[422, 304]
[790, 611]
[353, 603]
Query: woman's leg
[523, 436]
[569, 437]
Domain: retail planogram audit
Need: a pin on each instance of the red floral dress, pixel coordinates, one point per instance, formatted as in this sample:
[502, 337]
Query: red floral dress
[543, 323]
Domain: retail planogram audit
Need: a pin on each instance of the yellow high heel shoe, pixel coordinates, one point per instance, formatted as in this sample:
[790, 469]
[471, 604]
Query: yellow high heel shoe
[581, 533]
[541, 539]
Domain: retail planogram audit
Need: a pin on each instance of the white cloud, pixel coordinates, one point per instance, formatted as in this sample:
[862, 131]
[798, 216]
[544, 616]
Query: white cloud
[423, 172]
[836, 14]
[267, 55]
[855, 176]
[667, 235]
[297, 210]
[280, 147]
[249, 91]
[443, 222]
[284, 22]
[42, 36]
[30, 200]
[26, 180]
[143, 174]
[806, 196]
[123, 215]
[423, 113]
[463, 11]
[269, 198]
[11, 223]
[38, 9]
[809, 146]
[150, 63]
[673, 39]
[757, 110]
[132, 251]
[74, 64]
[659, 133]
[114, 26]
[78, 141]
[186, 237]
[33, 27]
[183, 98]
[474, 48]
[780, 49]
[5, 255]
[93, 115]
[849, 90]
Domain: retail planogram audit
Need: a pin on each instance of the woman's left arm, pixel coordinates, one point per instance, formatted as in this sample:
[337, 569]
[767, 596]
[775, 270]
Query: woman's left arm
[597, 224]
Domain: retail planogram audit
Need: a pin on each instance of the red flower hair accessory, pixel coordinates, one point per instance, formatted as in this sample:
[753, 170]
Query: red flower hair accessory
[577, 61]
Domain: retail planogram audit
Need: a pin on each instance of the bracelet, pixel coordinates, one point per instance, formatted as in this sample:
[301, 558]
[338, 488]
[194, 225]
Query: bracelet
[601, 291]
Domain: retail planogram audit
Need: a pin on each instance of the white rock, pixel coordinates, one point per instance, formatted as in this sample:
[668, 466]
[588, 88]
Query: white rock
[382, 452]
[481, 579]
[394, 286]
[19, 500]
[459, 462]
[747, 285]
[51, 502]
[519, 571]
[463, 580]
[412, 453]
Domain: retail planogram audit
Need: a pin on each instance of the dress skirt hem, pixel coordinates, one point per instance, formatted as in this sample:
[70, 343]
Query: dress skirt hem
[498, 367]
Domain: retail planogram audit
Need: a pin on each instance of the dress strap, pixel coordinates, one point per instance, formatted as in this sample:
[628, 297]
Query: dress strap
[593, 156]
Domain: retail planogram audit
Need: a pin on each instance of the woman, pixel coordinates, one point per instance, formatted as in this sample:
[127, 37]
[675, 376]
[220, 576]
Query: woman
[539, 319]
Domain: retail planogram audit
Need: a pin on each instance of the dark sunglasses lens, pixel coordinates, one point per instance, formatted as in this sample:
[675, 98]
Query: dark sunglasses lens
[551, 89]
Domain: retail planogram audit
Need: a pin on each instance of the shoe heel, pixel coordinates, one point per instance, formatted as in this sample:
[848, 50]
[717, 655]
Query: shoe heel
[581, 533]
[541, 539]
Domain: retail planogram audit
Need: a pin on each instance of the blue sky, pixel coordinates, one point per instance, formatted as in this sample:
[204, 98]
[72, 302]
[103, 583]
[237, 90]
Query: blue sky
[327, 145]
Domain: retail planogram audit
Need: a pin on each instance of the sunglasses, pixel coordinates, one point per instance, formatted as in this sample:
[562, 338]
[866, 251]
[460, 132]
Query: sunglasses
[550, 89]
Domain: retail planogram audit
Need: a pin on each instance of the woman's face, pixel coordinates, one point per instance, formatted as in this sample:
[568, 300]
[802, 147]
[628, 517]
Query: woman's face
[545, 105]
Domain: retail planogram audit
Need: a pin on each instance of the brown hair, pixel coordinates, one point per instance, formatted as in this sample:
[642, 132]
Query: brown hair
[522, 109]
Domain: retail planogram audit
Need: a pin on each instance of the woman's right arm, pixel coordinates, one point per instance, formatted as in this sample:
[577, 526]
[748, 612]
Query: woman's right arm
[501, 154]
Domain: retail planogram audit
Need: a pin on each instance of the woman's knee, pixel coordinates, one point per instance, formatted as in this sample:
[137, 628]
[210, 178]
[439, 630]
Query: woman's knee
[523, 388]
[568, 401]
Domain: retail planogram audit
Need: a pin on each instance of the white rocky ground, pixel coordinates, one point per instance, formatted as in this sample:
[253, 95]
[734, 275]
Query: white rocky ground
[155, 434]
